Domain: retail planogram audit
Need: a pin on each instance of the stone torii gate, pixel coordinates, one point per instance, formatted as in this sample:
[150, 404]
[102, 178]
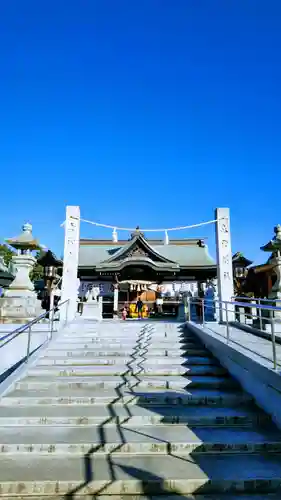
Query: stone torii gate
[71, 255]
[70, 263]
[224, 263]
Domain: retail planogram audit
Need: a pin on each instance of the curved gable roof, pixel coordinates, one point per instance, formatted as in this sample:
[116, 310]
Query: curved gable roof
[141, 248]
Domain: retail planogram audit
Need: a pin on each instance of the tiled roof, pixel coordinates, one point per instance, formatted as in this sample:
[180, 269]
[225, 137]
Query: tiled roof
[185, 255]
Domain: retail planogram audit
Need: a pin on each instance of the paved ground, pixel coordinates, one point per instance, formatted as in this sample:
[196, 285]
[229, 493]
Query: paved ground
[254, 347]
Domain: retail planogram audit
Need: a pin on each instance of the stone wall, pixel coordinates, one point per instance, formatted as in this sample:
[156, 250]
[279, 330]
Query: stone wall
[263, 383]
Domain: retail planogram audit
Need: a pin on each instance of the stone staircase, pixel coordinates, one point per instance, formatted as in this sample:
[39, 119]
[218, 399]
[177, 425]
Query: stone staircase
[133, 410]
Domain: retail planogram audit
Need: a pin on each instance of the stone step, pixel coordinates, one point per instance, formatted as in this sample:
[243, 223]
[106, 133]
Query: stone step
[129, 475]
[115, 360]
[135, 340]
[159, 439]
[129, 380]
[144, 397]
[92, 370]
[117, 331]
[132, 347]
[109, 325]
[191, 360]
[126, 335]
[125, 348]
[217, 496]
[66, 415]
[132, 339]
[111, 354]
[120, 330]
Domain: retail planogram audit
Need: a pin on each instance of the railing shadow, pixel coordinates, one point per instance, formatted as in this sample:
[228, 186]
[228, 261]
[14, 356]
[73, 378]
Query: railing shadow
[4, 375]
[139, 352]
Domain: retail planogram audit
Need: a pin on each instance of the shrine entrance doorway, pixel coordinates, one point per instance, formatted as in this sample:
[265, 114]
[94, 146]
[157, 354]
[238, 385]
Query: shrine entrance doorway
[132, 290]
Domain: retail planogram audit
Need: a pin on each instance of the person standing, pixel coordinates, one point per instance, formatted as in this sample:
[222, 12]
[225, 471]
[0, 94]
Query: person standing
[139, 306]
[159, 305]
[124, 312]
[200, 305]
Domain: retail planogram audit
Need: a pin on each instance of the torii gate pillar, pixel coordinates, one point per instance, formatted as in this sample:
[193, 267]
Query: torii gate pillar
[224, 263]
[70, 264]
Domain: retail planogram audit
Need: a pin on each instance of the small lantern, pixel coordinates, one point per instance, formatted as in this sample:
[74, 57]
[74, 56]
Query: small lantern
[50, 272]
[240, 272]
[50, 264]
[240, 264]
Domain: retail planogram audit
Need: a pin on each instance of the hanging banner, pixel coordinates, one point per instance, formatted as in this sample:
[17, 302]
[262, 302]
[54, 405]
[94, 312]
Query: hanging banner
[105, 287]
[174, 288]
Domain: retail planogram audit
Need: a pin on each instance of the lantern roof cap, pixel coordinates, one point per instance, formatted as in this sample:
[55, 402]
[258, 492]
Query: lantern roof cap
[25, 241]
[275, 243]
[48, 258]
[239, 260]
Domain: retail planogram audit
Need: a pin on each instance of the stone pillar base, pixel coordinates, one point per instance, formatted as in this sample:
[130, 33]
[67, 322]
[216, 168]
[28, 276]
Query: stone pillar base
[181, 313]
[92, 311]
[19, 309]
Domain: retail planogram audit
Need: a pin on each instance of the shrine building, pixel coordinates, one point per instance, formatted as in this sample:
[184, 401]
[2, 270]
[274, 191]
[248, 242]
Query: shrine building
[126, 270]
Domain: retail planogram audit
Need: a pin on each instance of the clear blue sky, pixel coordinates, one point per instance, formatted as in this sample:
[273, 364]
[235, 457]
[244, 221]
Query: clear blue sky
[149, 112]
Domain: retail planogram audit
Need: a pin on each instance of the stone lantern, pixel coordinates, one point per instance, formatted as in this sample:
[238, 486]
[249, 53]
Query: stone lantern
[50, 265]
[240, 266]
[20, 303]
[274, 246]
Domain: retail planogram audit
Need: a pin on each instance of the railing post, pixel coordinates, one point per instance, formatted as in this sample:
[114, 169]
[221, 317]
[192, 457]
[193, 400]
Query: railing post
[52, 323]
[273, 341]
[220, 310]
[216, 315]
[66, 314]
[28, 344]
[227, 324]
[254, 310]
[203, 311]
[51, 313]
[260, 313]
[189, 308]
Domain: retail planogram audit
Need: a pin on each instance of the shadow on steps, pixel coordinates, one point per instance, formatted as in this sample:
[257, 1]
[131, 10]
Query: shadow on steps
[223, 473]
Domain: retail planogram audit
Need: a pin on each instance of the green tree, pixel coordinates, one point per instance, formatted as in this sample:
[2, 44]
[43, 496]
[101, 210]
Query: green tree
[7, 253]
[37, 272]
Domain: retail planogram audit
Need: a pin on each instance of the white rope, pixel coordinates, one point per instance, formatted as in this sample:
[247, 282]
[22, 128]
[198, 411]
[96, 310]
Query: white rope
[116, 228]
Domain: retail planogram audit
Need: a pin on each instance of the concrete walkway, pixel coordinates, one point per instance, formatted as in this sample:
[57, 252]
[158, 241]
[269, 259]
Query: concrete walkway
[256, 348]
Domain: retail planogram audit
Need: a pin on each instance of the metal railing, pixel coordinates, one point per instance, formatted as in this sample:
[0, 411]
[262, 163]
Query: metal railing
[250, 303]
[248, 300]
[227, 311]
[7, 338]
